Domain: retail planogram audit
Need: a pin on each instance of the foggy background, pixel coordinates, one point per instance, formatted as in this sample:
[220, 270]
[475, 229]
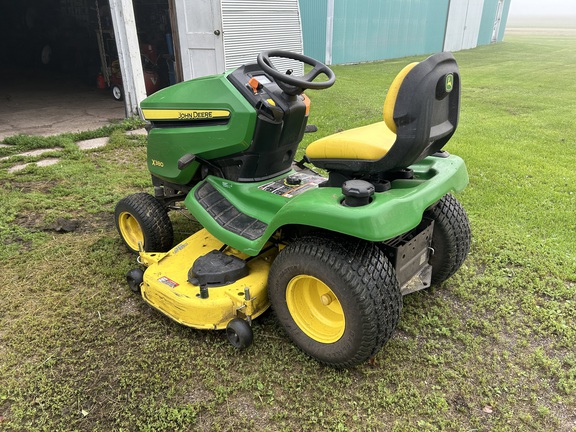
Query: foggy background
[542, 13]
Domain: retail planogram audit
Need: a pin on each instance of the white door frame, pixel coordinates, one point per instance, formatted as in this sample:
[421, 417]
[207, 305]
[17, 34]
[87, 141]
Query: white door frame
[497, 21]
[129, 55]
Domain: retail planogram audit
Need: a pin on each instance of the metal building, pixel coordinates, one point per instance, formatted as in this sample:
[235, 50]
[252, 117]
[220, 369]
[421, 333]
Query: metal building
[351, 31]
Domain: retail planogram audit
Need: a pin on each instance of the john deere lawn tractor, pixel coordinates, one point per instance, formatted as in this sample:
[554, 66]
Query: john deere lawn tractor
[333, 255]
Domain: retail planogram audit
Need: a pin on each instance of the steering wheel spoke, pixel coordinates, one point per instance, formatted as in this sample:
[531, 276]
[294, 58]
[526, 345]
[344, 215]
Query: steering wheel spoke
[310, 76]
[294, 85]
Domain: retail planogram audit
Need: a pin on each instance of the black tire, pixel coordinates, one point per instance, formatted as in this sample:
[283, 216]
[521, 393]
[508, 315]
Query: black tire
[451, 238]
[361, 301]
[135, 277]
[141, 218]
[239, 333]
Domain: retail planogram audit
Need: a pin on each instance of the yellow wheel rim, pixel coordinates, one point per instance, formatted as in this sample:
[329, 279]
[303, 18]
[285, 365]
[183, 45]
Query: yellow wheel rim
[130, 230]
[315, 309]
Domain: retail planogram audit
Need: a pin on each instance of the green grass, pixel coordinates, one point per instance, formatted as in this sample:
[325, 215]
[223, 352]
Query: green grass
[490, 350]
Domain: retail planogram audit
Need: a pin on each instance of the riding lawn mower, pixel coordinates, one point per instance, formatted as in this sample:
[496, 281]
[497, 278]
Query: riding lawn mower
[334, 253]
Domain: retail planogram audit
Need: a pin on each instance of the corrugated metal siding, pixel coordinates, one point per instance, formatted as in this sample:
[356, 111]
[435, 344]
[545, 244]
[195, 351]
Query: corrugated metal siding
[313, 14]
[251, 26]
[504, 20]
[487, 23]
[367, 30]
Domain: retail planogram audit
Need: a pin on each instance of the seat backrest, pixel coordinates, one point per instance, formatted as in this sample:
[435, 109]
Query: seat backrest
[422, 107]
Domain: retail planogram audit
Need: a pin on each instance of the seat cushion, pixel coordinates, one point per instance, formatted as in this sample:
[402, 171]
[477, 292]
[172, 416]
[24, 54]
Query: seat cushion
[370, 142]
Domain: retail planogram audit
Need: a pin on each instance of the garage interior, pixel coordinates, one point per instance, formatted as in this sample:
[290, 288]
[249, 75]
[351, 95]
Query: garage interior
[60, 64]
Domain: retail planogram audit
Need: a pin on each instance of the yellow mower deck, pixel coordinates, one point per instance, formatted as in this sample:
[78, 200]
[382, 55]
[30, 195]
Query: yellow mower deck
[166, 286]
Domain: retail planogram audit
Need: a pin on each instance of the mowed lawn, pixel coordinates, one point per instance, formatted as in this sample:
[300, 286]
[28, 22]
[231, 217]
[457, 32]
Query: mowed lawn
[492, 349]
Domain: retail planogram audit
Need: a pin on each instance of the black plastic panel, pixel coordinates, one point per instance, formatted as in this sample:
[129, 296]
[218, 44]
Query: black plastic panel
[228, 216]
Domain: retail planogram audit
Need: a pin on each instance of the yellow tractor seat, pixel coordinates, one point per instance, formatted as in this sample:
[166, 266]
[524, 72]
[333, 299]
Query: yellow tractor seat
[420, 113]
[370, 142]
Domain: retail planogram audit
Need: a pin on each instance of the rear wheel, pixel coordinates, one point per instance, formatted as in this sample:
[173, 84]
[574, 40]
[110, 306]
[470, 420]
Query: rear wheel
[142, 220]
[337, 298]
[451, 238]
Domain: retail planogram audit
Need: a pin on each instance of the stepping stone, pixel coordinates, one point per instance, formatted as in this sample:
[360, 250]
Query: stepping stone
[140, 131]
[92, 143]
[33, 153]
[41, 163]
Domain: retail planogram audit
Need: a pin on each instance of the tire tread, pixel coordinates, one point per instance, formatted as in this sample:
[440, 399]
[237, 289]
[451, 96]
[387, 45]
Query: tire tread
[152, 217]
[365, 270]
[452, 238]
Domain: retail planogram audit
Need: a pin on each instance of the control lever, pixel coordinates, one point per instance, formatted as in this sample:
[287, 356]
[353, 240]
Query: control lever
[185, 161]
[188, 158]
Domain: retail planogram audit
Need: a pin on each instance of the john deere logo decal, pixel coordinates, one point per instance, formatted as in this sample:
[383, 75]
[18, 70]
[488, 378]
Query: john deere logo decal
[449, 83]
[182, 114]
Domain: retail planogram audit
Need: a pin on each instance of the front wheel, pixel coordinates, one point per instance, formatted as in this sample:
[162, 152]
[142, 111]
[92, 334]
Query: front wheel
[451, 238]
[337, 298]
[143, 221]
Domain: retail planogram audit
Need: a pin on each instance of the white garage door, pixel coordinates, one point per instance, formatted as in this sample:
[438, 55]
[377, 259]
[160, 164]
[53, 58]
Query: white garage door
[251, 26]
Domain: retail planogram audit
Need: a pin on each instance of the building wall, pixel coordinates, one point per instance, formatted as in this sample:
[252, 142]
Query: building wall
[488, 18]
[504, 20]
[313, 16]
[369, 30]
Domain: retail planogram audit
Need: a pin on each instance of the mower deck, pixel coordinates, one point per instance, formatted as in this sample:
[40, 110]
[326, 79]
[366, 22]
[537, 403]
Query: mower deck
[166, 285]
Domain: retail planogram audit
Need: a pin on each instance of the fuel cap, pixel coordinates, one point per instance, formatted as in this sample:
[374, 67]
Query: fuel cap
[357, 192]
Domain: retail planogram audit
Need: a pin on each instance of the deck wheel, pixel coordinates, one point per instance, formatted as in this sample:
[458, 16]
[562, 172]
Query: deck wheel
[239, 333]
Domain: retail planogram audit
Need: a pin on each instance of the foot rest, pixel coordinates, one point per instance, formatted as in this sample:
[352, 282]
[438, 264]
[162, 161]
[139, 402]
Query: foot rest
[228, 216]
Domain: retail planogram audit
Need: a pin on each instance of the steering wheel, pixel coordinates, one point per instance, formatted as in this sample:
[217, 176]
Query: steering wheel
[295, 85]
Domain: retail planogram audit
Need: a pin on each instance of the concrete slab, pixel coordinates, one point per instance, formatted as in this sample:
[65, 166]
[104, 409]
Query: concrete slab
[41, 163]
[50, 104]
[92, 143]
[140, 131]
[33, 153]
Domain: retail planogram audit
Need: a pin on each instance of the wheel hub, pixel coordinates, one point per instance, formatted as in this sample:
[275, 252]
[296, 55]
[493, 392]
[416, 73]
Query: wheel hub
[130, 230]
[315, 309]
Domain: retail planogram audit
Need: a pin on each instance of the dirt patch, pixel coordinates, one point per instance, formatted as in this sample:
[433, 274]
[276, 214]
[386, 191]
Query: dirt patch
[30, 220]
[32, 186]
[86, 224]
[23, 245]
[102, 221]
[132, 306]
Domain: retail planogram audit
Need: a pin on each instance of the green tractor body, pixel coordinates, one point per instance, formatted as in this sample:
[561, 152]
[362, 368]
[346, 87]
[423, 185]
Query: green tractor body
[191, 114]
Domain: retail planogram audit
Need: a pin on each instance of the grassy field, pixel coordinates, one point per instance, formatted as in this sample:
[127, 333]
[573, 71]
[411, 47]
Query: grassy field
[492, 349]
